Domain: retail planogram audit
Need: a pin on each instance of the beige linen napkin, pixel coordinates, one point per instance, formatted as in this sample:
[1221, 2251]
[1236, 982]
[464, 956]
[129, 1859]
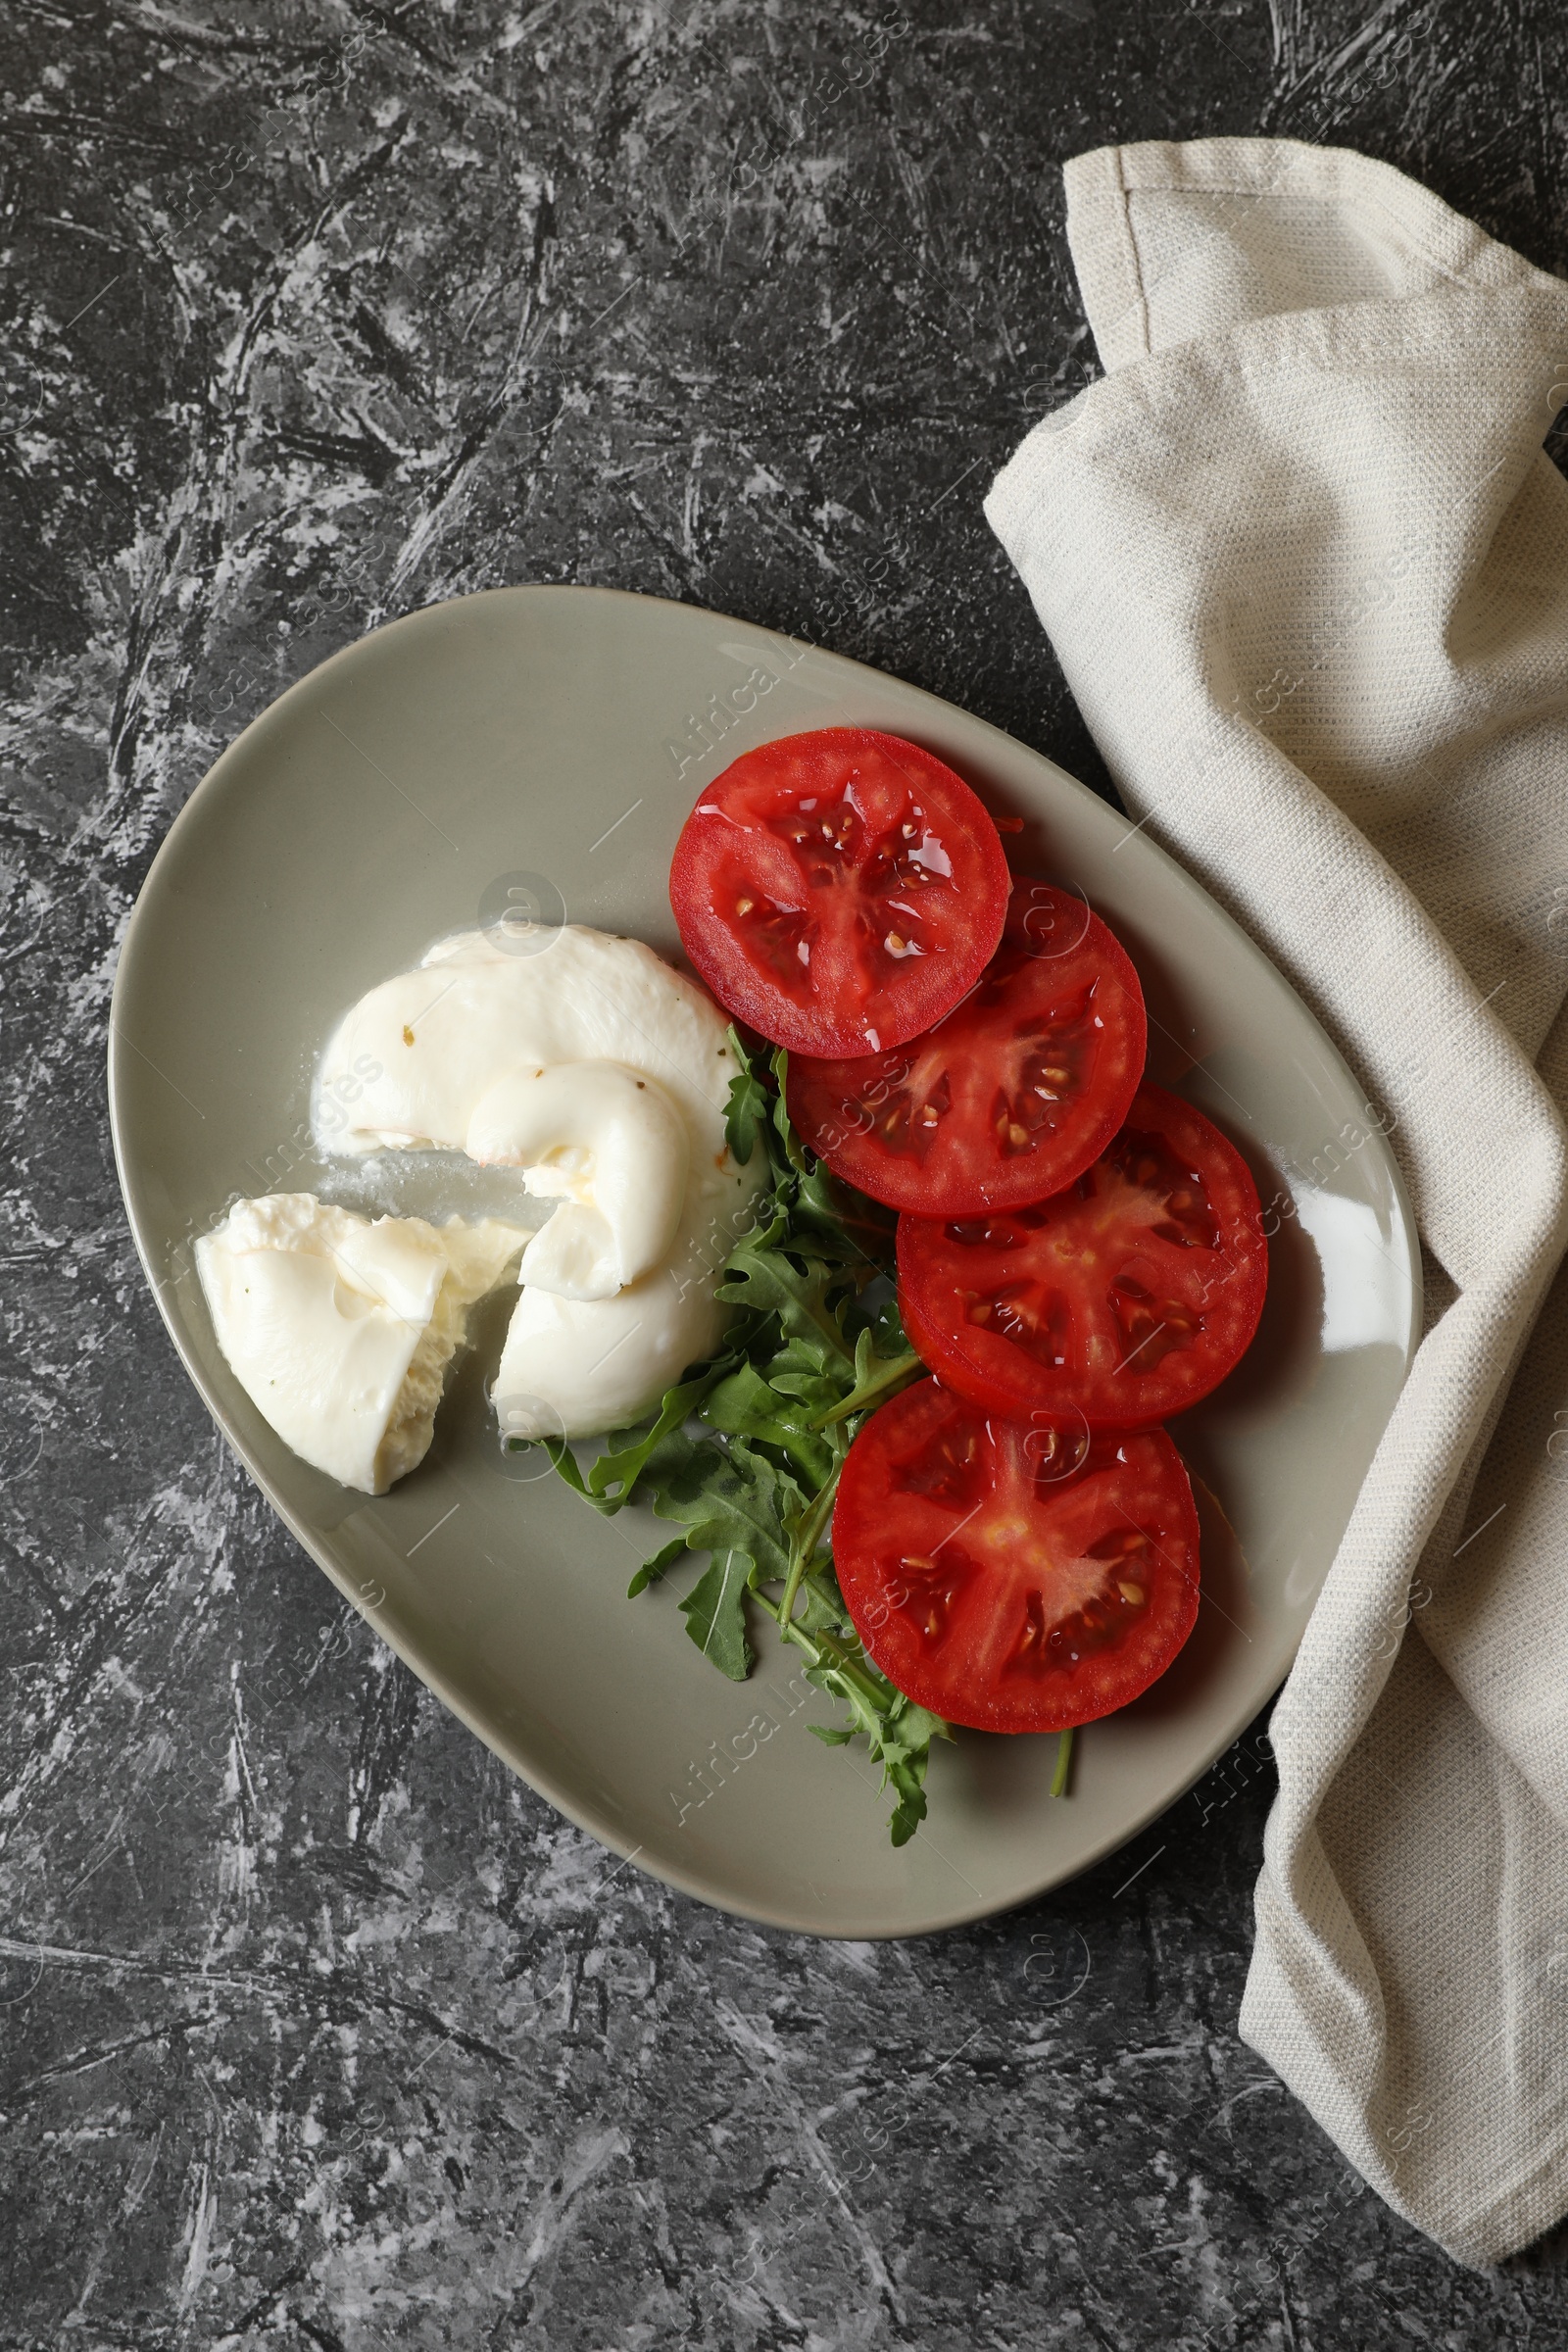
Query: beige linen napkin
[1306, 566]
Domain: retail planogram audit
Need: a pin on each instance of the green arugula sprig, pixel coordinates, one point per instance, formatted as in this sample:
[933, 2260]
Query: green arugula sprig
[744, 1452]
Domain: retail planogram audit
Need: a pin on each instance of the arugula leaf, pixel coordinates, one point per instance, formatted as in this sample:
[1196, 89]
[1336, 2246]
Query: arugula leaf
[783, 1125]
[814, 1345]
[628, 1452]
[821, 1606]
[839, 1221]
[731, 1498]
[887, 1327]
[652, 1570]
[715, 1616]
[745, 1406]
[771, 1283]
[876, 1379]
[747, 1106]
[908, 1779]
[562, 1460]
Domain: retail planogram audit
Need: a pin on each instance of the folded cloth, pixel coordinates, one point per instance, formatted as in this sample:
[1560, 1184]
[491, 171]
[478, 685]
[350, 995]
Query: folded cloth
[1304, 563]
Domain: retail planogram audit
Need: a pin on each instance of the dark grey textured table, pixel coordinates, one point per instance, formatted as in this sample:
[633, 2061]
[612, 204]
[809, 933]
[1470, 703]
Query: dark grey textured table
[319, 2029]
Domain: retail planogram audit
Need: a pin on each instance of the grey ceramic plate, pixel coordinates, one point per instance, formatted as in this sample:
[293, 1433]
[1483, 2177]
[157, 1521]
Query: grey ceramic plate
[395, 794]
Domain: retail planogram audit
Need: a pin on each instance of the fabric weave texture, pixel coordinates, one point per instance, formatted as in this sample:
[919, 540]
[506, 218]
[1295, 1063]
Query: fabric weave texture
[1304, 562]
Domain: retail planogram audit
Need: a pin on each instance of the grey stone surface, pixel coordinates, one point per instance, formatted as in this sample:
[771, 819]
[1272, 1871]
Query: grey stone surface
[318, 2029]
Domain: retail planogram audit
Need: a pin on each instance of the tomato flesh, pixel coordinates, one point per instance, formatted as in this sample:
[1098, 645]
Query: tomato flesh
[1010, 1097]
[839, 891]
[1004, 1581]
[1119, 1301]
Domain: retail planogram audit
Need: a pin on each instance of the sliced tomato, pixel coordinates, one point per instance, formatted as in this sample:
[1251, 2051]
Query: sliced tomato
[1013, 1095]
[1004, 1581]
[1123, 1299]
[839, 891]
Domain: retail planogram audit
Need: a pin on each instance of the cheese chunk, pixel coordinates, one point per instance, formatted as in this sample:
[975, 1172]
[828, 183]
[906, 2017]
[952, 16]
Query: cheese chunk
[603, 1076]
[340, 1329]
[605, 1144]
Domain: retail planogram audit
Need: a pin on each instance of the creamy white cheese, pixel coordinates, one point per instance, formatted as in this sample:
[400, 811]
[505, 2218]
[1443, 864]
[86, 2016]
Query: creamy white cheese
[340, 1329]
[473, 1011]
[611, 1148]
[603, 1076]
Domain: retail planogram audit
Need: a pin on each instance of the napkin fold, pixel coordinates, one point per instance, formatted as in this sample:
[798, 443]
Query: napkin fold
[1304, 563]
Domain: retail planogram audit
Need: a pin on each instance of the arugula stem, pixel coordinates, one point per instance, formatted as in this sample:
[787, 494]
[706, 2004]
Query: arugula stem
[804, 1547]
[823, 1649]
[895, 1375]
[1058, 1779]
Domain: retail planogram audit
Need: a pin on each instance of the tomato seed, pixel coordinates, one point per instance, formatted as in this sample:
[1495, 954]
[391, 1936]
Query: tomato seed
[744, 906]
[1132, 1595]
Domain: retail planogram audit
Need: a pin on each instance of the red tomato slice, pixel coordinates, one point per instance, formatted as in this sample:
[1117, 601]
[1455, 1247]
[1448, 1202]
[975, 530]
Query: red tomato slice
[839, 891]
[1007, 1581]
[1123, 1299]
[1009, 1099]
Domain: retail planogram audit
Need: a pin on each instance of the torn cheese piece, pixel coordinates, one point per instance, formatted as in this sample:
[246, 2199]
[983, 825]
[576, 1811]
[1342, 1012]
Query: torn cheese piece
[341, 1330]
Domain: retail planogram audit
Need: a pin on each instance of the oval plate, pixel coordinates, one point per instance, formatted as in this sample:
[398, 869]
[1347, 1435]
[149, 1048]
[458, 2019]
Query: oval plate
[550, 741]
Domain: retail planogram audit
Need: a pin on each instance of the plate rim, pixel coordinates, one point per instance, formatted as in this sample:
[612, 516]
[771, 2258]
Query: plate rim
[140, 921]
